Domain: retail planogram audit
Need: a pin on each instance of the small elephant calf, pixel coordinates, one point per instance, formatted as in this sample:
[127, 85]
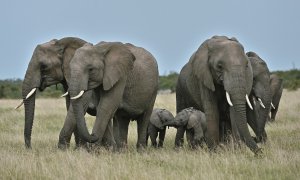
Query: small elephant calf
[157, 127]
[194, 123]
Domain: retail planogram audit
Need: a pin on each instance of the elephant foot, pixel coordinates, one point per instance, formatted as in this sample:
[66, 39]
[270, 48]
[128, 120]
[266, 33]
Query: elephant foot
[272, 120]
[259, 153]
[141, 147]
[63, 146]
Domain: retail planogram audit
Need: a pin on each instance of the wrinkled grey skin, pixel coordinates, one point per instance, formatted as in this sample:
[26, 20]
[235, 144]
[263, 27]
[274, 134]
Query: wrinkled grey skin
[260, 90]
[126, 78]
[219, 65]
[194, 123]
[157, 127]
[48, 66]
[276, 85]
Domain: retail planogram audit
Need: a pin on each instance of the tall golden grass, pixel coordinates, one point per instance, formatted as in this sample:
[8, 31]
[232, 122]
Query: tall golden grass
[281, 158]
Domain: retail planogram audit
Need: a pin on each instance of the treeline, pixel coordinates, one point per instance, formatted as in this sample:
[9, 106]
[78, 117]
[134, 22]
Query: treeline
[11, 88]
[291, 78]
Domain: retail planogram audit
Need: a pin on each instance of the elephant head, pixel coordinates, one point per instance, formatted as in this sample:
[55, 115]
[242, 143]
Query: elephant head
[276, 85]
[261, 92]
[104, 66]
[181, 118]
[221, 68]
[160, 117]
[49, 65]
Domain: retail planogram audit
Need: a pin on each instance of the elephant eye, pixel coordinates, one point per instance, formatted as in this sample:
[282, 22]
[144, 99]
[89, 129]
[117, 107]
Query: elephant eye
[220, 67]
[43, 67]
[90, 69]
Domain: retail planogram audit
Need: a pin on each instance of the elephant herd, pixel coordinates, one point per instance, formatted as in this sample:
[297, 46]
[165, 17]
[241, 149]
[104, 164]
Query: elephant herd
[220, 91]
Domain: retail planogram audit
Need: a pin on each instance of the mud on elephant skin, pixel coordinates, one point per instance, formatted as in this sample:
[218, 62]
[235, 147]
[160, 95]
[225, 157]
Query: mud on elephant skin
[217, 72]
[126, 78]
[157, 127]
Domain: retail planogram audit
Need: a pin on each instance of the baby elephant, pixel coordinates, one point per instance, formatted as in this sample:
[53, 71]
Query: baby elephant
[194, 123]
[156, 126]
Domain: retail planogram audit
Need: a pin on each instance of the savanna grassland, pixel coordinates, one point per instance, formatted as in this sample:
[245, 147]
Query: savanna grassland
[281, 158]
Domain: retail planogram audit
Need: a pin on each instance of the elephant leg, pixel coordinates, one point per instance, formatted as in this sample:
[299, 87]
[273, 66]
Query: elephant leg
[116, 131]
[123, 132]
[273, 113]
[162, 134]
[251, 120]
[70, 126]
[108, 140]
[179, 137]
[143, 123]
[153, 133]
[190, 138]
[67, 130]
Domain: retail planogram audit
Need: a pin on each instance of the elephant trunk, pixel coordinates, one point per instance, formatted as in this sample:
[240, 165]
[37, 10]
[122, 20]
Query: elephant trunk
[78, 108]
[171, 123]
[78, 85]
[238, 92]
[29, 114]
[179, 136]
[241, 123]
[262, 117]
[31, 82]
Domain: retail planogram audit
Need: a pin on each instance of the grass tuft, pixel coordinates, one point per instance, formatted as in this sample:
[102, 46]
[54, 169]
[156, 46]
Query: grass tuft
[281, 159]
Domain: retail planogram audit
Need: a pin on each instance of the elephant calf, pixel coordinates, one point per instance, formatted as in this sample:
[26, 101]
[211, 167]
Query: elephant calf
[194, 123]
[157, 127]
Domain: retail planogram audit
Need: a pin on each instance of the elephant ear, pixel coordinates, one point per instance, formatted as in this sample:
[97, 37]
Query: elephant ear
[193, 120]
[156, 118]
[200, 66]
[118, 62]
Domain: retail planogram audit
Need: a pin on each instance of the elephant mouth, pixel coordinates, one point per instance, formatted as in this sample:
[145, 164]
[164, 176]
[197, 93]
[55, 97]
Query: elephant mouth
[46, 82]
[259, 100]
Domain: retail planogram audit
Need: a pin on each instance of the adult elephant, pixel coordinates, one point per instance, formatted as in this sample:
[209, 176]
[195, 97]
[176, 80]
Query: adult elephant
[126, 78]
[48, 66]
[276, 85]
[260, 95]
[217, 71]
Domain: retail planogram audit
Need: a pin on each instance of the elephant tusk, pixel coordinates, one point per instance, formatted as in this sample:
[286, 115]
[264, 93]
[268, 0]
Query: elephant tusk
[79, 95]
[261, 103]
[248, 102]
[21, 103]
[228, 99]
[64, 95]
[273, 105]
[30, 93]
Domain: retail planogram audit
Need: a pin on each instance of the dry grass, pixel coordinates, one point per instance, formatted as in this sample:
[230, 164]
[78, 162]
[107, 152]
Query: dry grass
[45, 161]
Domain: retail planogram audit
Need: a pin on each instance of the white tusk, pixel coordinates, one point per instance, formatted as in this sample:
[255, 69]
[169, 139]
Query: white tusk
[261, 103]
[21, 103]
[30, 93]
[228, 99]
[248, 102]
[254, 102]
[64, 95]
[79, 95]
[273, 105]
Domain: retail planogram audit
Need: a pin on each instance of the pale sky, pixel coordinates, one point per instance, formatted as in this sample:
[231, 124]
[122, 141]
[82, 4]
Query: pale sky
[170, 29]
